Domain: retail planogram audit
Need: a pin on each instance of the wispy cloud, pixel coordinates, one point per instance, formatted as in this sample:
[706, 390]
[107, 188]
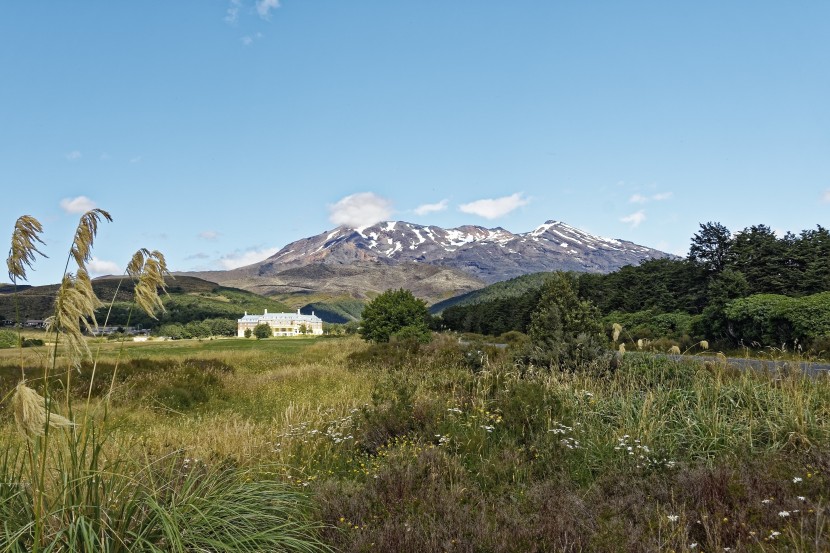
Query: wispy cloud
[247, 257]
[432, 208]
[200, 255]
[81, 204]
[264, 7]
[246, 40]
[136, 159]
[494, 208]
[635, 219]
[232, 15]
[640, 199]
[360, 210]
[209, 235]
[73, 155]
[99, 267]
[825, 197]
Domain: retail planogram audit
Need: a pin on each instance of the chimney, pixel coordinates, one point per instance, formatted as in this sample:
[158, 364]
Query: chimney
[246, 313]
[312, 313]
[266, 311]
[298, 311]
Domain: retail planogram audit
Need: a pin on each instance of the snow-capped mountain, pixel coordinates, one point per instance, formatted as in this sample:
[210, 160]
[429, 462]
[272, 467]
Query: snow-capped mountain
[488, 254]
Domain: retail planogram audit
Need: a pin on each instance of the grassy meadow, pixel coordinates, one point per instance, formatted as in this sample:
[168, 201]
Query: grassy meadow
[405, 447]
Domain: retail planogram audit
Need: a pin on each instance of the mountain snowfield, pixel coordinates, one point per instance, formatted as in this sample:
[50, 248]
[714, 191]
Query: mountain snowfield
[489, 254]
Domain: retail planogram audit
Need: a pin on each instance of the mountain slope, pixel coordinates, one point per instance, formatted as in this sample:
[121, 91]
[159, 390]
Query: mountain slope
[434, 263]
[491, 255]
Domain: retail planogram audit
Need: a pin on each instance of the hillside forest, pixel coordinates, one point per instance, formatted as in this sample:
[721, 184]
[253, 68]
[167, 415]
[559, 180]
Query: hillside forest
[751, 288]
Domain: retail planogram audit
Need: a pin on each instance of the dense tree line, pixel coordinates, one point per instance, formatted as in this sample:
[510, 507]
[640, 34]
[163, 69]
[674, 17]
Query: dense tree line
[697, 295]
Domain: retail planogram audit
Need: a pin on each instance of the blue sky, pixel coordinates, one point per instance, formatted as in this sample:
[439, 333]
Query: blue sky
[219, 131]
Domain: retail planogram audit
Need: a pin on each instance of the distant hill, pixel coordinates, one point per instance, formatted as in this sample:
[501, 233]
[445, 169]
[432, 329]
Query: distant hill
[513, 288]
[188, 299]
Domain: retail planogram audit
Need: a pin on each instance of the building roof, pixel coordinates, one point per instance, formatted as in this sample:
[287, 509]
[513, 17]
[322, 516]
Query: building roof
[280, 317]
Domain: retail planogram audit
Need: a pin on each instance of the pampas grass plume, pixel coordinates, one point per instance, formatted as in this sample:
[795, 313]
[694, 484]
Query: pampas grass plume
[24, 246]
[617, 329]
[85, 234]
[621, 349]
[675, 350]
[30, 413]
[704, 344]
[148, 270]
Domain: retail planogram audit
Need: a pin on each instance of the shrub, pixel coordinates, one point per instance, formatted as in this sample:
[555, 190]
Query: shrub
[565, 331]
[394, 312]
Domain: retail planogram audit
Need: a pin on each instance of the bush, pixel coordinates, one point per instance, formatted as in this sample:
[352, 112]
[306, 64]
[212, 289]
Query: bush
[564, 332]
[395, 312]
[262, 330]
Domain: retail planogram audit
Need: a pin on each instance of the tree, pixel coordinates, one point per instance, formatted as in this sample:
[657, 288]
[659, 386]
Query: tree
[711, 246]
[395, 312]
[303, 329]
[564, 330]
[247, 333]
[262, 330]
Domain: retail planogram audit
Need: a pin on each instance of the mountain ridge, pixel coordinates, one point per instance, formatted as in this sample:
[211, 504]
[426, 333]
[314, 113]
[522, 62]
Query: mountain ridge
[433, 262]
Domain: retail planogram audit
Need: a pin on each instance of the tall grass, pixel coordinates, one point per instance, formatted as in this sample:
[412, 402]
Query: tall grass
[68, 485]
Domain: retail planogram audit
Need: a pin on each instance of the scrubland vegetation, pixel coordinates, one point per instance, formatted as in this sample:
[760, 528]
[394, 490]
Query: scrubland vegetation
[433, 447]
[409, 441]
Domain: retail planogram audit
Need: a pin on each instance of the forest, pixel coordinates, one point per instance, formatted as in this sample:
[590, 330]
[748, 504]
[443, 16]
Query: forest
[749, 287]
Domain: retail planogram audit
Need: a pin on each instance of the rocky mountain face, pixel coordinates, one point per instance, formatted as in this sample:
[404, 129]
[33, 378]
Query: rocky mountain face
[433, 262]
[490, 255]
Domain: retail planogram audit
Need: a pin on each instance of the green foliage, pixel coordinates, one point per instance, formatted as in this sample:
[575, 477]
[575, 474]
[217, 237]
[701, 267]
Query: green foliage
[652, 324]
[564, 331]
[773, 320]
[263, 330]
[248, 332]
[8, 339]
[392, 312]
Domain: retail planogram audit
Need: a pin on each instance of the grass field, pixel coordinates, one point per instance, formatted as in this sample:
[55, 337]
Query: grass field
[443, 447]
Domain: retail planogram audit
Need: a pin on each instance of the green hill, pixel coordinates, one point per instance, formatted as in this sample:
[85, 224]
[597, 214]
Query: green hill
[187, 299]
[513, 288]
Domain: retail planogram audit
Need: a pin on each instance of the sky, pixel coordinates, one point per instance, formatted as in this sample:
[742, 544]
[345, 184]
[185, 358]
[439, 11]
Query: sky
[218, 131]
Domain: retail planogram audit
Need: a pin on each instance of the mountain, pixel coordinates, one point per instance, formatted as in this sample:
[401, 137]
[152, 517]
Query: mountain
[433, 262]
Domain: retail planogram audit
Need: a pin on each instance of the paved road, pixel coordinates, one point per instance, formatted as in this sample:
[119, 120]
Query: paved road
[765, 365]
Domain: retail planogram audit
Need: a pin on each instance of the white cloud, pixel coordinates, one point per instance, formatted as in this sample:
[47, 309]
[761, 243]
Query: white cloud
[432, 208]
[495, 207]
[635, 219]
[264, 7]
[73, 155]
[98, 267]
[640, 199]
[81, 204]
[246, 40]
[240, 259]
[360, 210]
[825, 197]
[208, 235]
[135, 159]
